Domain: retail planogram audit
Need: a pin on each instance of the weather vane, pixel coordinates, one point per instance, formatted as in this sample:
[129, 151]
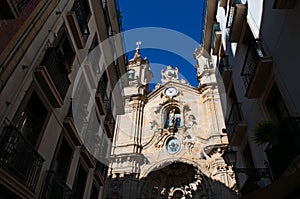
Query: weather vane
[138, 44]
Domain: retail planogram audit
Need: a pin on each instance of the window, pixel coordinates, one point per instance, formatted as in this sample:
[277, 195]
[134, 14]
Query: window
[232, 95]
[248, 161]
[275, 105]
[31, 117]
[103, 85]
[80, 181]
[57, 61]
[62, 159]
[82, 12]
[64, 48]
[55, 180]
[94, 43]
[107, 19]
[248, 36]
[91, 136]
[95, 192]
[80, 105]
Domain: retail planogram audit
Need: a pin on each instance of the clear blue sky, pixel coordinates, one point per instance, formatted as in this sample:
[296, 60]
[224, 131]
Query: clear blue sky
[182, 16]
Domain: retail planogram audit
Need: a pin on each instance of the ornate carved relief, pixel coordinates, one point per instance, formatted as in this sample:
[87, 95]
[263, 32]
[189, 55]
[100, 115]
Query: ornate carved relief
[169, 74]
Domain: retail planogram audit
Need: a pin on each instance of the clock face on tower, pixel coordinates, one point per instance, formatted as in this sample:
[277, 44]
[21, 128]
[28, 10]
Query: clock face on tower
[171, 91]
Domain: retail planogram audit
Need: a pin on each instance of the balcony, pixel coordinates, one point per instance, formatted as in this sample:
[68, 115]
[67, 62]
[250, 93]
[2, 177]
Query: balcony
[225, 71]
[101, 96]
[236, 125]
[52, 74]
[19, 158]
[11, 9]
[256, 70]
[216, 38]
[55, 187]
[235, 21]
[284, 4]
[283, 154]
[78, 20]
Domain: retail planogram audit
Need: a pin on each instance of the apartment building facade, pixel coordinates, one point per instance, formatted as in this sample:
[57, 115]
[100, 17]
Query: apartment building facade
[253, 44]
[57, 84]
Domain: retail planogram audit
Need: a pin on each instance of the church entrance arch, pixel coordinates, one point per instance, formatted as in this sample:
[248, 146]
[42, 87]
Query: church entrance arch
[176, 180]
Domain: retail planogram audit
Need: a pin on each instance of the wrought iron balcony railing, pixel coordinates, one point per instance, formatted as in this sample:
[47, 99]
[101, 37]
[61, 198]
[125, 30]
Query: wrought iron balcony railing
[235, 124]
[255, 53]
[225, 71]
[19, 157]
[55, 187]
[256, 68]
[232, 12]
[223, 64]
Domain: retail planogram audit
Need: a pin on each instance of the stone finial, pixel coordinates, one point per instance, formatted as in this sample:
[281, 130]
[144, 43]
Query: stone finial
[137, 58]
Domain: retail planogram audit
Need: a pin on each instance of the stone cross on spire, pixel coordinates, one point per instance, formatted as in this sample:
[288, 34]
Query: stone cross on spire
[138, 44]
[137, 50]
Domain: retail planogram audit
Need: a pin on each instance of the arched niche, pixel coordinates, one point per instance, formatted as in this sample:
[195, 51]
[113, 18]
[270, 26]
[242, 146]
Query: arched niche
[131, 74]
[172, 117]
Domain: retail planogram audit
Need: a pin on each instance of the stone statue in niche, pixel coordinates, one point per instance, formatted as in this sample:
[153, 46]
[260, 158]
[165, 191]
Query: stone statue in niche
[172, 118]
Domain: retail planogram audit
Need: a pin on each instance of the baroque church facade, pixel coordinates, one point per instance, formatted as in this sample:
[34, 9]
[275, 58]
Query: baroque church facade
[169, 142]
